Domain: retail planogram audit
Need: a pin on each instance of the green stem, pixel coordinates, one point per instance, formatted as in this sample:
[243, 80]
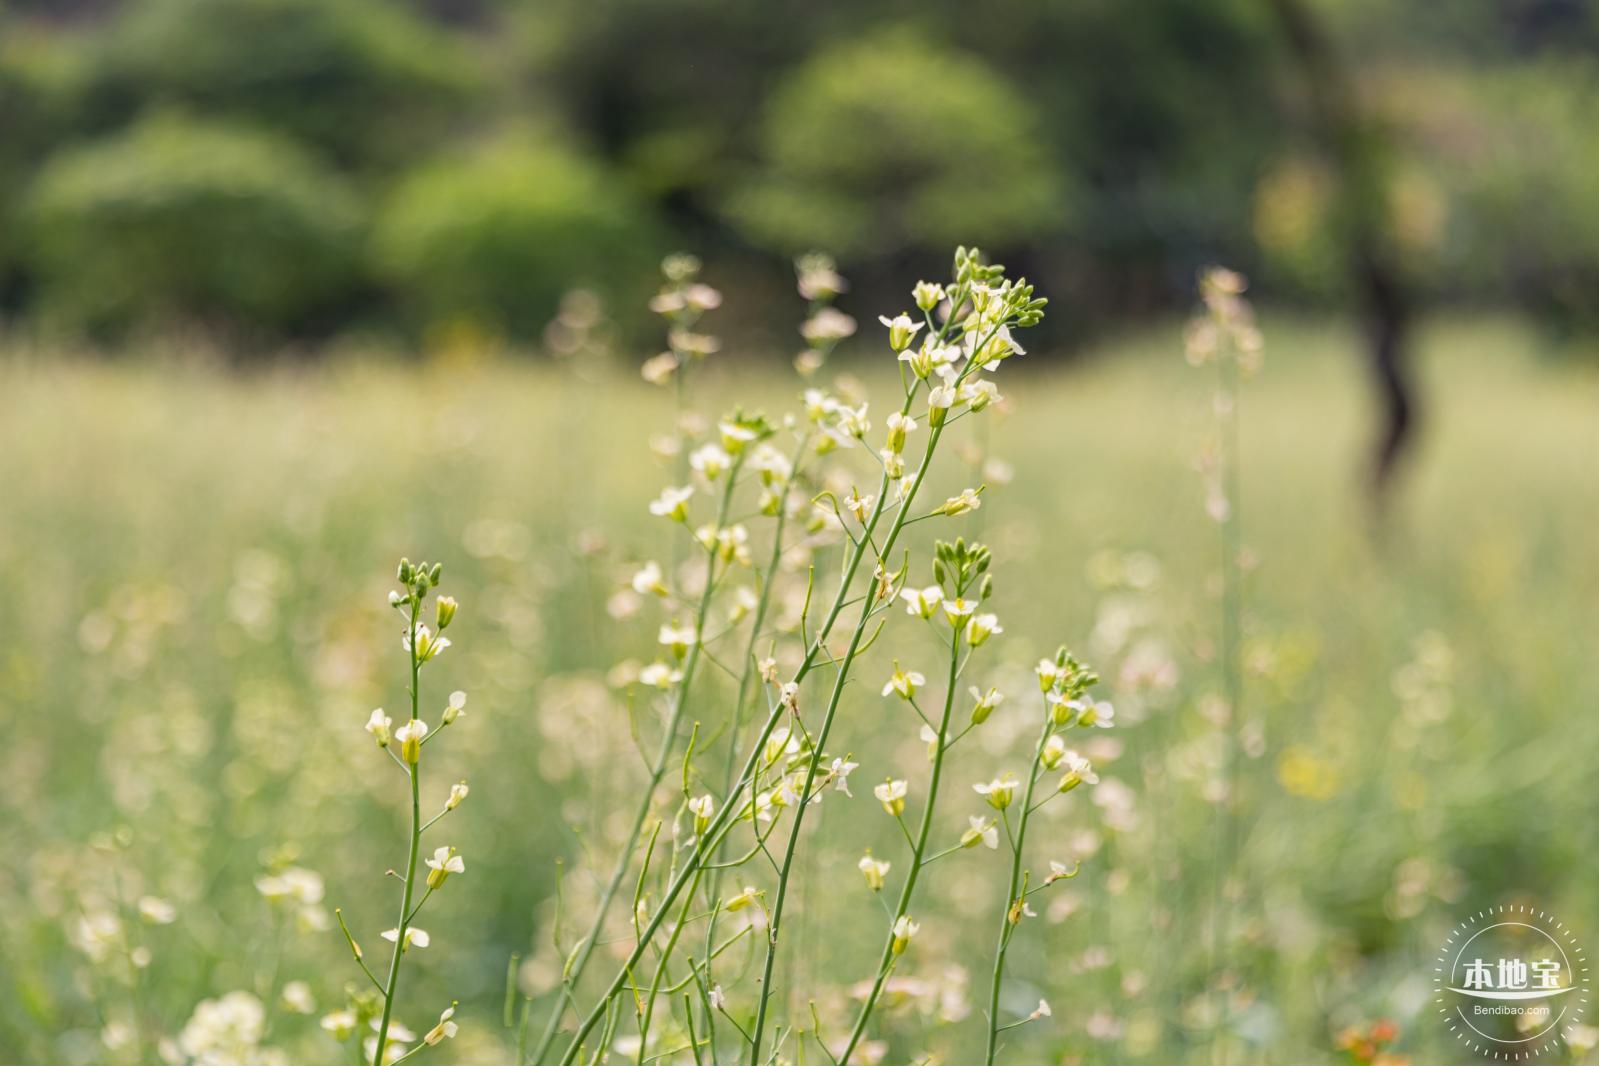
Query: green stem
[410, 867]
[658, 769]
[920, 849]
[1006, 927]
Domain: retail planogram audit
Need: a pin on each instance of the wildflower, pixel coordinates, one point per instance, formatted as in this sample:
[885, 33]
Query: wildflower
[157, 911]
[297, 997]
[958, 609]
[986, 702]
[903, 682]
[981, 627]
[702, 807]
[456, 708]
[427, 645]
[1040, 1011]
[445, 611]
[999, 347]
[874, 870]
[898, 426]
[301, 886]
[982, 831]
[410, 737]
[932, 740]
[827, 326]
[1049, 674]
[744, 899]
[340, 1024]
[1096, 712]
[445, 861]
[658, 369]
[900, 330]
[672, 503]
[443, 1031]
[659, 675]
[840, 771]
[648, 580]
[226, 1029]
[1058, 872]
[979, 393]
[891, 794]
[968, 500]
[1054, 751]
[781, 743]
[1078, 771]
[709, 461]
[940, 399]
[919, 360]
[413, 935]
[768, 670]
[922, 602]
[998, 792]
[927, 295]
[678, 638]
[904, 931]
[893, 463]
[772, 466]
[717, 998]
[788, 696]
[458, 792]
[1061, 708]
[858, 505]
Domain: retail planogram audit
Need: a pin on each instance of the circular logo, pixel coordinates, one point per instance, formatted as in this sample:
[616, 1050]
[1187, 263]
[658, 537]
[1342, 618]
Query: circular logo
[1511, 982]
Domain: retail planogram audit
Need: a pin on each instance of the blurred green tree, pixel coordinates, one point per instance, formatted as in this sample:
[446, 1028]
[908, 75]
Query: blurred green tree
[892, 142]
[178, 219]
[493, 237]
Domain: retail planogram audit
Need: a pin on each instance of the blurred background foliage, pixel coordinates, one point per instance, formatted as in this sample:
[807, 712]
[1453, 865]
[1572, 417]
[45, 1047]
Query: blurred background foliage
[354, 165]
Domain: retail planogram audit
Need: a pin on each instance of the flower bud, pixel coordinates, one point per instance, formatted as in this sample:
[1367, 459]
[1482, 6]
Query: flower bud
[458, 792]
[446, 606]
[927, 295]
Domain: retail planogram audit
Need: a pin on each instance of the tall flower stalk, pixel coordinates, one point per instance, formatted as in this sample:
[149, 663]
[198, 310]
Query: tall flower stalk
[404, 745]
[1064, 683]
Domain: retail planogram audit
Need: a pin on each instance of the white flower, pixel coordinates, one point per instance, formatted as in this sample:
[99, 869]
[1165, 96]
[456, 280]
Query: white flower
[340, 1023]
[157, 911]
[659, 675]
[874, 870]
[958, 609]
[840, 771]
[744, 899]
[226, 1029]
[968, 500]
[986, 702]
[679, 638]
[900, 330]
[294, 883]
[922, 602]
[458, 792]
[927, 295]
[413, 935]
[702, 807]
[981, 627]
[445, 861]
[827, 325]
[672, 503]
[1078, 771]
[410, 737]
[297, 997]
[456, 708]
[1059, 872]
[648, 580]
[780, 744]
[717, 998]
[772, 465]
[1095, 712]
[891, 794]
[941, 398]
[379, 725]
[1049, 673]
[983, 830]
[1054, 751]
[442, 1031]
[1041, 1011]
[858, 505]
[709, 461]
[904, 682]
[998, 792]
[904, 931]
[427, 645]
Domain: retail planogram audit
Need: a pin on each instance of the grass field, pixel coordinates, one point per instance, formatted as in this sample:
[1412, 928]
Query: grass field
[197, 565]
